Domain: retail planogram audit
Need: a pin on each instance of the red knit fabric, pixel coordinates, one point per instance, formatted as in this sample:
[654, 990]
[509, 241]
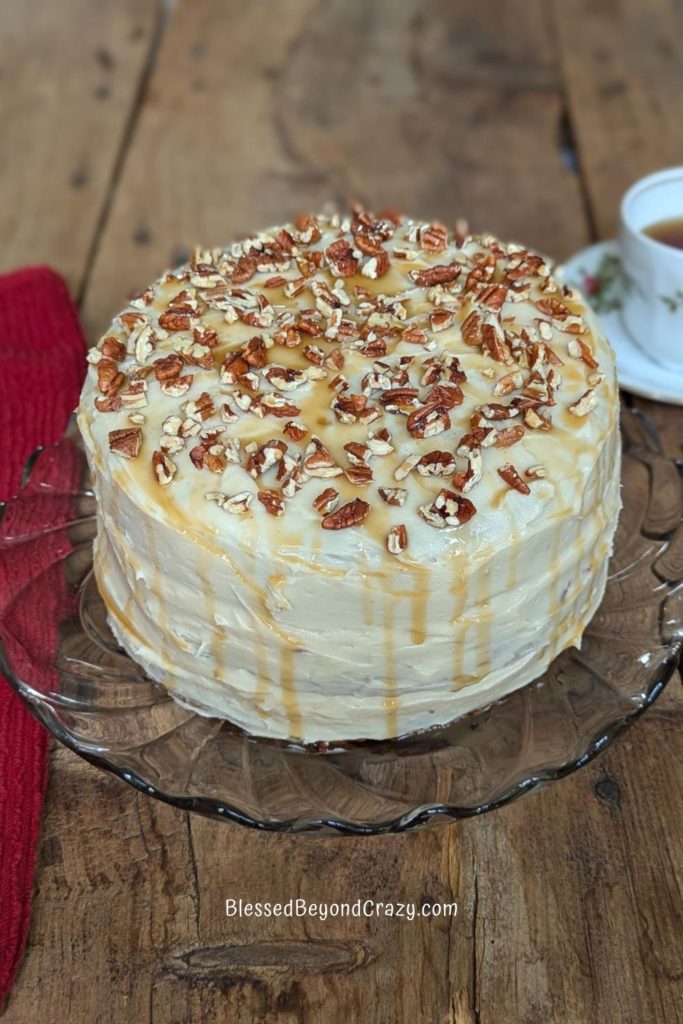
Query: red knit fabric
[42, 365]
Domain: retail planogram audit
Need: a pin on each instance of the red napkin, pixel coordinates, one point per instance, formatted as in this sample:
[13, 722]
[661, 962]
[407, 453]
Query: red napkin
[42, 364]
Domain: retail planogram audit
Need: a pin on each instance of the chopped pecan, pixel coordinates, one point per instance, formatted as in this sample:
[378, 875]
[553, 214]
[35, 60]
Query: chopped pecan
[393, 495]
[402, 400]
[254, 352]
[441, 319]
[358, 453]
[508, 436]
[513, 479]
[175, 387]
[351, 514]
[113, 349]
[406, 467]
[340, 258]
[585, 404]
[578, 349]
[376, 266]
[234, 367]
[109, 378]
[433, 237]
[447, 393]
[277, 405]
[294, 430]
[326, 501]
[436, 463]
[535, 473]
[414, 336]
[164, 468]
[509, 383]
[359, 474]
[493, 296]
[397, 539]
[168, 367]
[442, 274]
[272, 501]
[173, 322]
[126, 442]
[113, 404]
[497, 411]
[265, 456]
[318, 461]
[244, 270]
[287, 336]
[552, 306]
[470, 329]
[428, 421]
[285, 378]
[447, 509]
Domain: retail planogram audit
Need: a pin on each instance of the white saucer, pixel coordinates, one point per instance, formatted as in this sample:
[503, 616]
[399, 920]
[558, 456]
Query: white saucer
[604, 289]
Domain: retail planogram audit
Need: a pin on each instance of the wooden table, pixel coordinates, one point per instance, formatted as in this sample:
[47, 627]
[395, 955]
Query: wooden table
[128, 132]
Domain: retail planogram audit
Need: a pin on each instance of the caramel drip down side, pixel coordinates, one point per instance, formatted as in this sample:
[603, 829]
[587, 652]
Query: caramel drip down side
[391, 699]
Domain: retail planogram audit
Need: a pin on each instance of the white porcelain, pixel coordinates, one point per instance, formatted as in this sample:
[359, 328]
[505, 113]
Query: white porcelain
[597, 272]
[653, 305]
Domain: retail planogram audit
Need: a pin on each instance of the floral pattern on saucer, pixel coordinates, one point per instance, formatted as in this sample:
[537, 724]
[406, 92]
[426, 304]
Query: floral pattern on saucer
[597, 273]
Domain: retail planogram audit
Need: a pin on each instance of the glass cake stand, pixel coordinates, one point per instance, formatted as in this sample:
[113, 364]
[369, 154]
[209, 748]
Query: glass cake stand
[57, 651]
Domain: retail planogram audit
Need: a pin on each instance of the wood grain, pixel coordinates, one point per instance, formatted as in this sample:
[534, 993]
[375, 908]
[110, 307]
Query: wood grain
[622, 67]
[70, 73]
[384, 102]
[569, 901]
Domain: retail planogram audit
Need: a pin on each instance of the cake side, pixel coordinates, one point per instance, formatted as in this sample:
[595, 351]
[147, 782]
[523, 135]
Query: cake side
[263, 615]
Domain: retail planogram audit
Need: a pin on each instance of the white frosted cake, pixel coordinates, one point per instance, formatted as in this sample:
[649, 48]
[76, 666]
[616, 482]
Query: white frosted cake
[355, 476]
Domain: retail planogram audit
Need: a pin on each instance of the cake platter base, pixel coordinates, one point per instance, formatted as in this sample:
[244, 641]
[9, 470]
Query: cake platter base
[58, 653]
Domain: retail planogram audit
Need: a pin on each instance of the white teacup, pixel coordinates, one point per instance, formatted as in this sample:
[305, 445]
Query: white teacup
[652, 310]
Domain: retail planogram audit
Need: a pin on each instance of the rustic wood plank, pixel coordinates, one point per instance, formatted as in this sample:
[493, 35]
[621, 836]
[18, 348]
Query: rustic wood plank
[568, 902]
[70, 73]
[335, 101]
[622, 65]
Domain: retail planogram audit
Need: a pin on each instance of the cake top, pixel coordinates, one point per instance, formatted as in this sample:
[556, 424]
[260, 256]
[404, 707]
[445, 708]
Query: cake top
[365, 375]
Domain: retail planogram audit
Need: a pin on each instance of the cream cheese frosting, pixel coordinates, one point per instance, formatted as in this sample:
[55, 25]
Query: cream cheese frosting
[355, 476]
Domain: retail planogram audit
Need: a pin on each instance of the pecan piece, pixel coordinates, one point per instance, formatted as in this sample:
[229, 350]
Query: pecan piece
[436, 463]
[585, 404]
[318, 461]
[173, 322]
[176, 387]
[169, 367]
[254, 352]
[552, 306]
[351, 514]
[110, 380]
[393, 495]
[272, 501]
[164, 468]
[470, 329]
[326, 501]
[113, 404]
[113, 349]
[447, 509]
[294, 430]
[414, 336]
[513, 479]
[433, 237]
[508, 436]
[397, 539]
[341, 260]
[442, 274]
[428, 421]
[579, 350]
[126, 442]
[244, 270]
[360, 475]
